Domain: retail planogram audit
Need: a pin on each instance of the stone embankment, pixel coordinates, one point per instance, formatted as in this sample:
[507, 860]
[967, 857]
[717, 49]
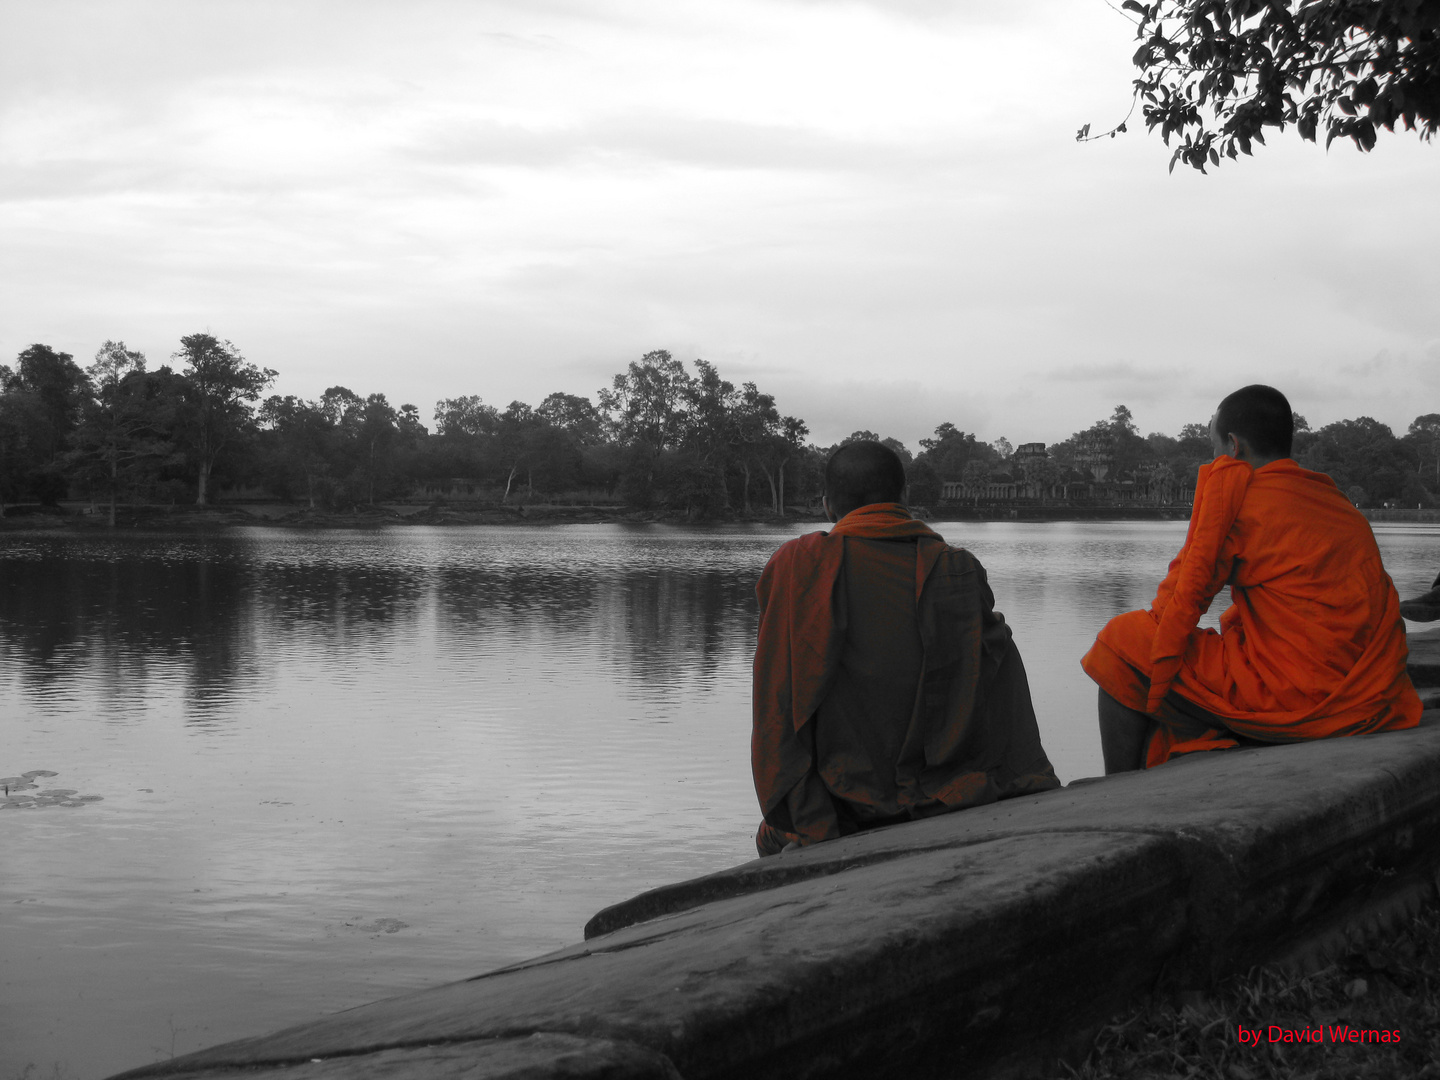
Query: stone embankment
[984, 943]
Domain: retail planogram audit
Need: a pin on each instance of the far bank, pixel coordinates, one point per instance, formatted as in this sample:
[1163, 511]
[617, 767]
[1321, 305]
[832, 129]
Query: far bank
[289, 515]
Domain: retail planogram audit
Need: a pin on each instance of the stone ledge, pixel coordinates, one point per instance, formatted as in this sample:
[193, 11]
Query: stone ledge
[990, 940]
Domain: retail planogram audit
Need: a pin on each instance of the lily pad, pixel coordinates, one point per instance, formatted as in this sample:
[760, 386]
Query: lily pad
[38, 772]
[91, 798]
[59, 792]
[383, 926]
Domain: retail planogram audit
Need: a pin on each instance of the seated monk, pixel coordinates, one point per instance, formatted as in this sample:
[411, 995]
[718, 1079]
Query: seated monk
[1312, 645]
[886, 685]
[1424, 608]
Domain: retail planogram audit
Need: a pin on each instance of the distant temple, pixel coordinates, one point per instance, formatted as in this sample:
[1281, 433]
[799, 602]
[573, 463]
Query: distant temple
[1037, 480]
[1095, 452]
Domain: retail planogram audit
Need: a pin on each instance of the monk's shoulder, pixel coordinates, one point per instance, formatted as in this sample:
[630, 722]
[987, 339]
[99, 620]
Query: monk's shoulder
[799, 546]
[1291, 489]
[959, 559]
[799, 552]
[954, 567]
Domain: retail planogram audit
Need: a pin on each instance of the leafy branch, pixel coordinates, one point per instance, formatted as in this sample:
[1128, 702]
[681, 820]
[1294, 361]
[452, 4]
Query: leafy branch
[1216, 73]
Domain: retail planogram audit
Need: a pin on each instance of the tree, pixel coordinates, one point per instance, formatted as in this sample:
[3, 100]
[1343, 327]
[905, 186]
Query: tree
[901, 450]
[572, 414]
[14, 439]
[222, 384]
[1424, 435]
[1194, 442]
[1363, 453]
[408, 421]
[646, 404]
[1216, 73]
[1040, 473]
[517, 435]
[465, 416]
[711, 439]
[574, 451]
[975, 474]
[785, 445]
[924, 482]
[756, 420]
[301, 430]
[378, 436]
[645, 412]
[45, 394]
[465, 428]
[951, 450]
[117, 436]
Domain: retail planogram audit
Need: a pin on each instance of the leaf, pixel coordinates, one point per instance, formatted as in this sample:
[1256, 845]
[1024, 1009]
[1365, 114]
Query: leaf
[1135, 6]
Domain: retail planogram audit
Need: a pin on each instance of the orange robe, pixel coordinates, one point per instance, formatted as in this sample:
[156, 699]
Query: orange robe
[925, 708]
[1312, 645]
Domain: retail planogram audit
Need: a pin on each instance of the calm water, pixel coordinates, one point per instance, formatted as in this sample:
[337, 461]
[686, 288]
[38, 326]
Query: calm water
[337, 766]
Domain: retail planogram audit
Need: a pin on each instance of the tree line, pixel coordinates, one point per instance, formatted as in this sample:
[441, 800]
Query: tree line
[659, 437]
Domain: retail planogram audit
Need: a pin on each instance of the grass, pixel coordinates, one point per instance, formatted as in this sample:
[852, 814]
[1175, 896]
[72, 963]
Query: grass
[1390, 986]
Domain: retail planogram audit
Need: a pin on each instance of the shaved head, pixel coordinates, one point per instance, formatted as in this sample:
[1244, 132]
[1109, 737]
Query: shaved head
[861, 473]
[1261, 416]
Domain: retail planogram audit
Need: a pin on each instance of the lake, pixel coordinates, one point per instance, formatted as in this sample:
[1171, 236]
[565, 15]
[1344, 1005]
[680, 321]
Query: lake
[336, 766]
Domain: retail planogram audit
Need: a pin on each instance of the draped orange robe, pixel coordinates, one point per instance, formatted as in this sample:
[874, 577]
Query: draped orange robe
[1312, 645]
[969, 735]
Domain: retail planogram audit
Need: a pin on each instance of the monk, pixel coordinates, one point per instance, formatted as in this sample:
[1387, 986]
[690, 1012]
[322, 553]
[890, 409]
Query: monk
[1312, 645]
[1424, 608]
[887, 687]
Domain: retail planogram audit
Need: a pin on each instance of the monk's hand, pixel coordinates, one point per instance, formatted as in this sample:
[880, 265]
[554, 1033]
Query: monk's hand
[793, 845]
[1162, 673]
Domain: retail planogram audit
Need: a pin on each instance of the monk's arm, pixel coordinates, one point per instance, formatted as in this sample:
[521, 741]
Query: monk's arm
[780, 754]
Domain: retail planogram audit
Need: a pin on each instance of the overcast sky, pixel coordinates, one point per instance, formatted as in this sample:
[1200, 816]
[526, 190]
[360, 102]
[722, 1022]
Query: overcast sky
[875, 210]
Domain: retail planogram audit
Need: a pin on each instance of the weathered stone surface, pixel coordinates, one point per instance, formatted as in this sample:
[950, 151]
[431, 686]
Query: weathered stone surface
[982, 942]
[533, 1057]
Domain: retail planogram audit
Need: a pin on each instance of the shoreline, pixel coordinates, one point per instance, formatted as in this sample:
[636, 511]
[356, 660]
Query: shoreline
[380, 516]
[186, 518]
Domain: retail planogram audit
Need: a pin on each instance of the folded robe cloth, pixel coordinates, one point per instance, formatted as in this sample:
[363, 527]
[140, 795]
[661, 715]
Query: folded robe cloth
[1312, 645]
[973, 737]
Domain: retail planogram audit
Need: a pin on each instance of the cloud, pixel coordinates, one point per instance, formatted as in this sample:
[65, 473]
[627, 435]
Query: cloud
[675, 139]
[1116, 372]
